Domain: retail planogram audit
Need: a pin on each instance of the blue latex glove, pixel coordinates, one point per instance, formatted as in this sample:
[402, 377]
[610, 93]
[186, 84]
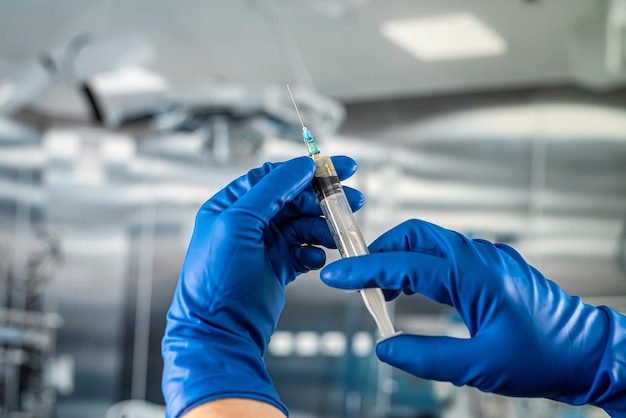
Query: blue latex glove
[250, 240]
[528, 337]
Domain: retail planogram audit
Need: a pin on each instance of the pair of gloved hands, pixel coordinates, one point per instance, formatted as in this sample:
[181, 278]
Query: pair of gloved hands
[528, 337]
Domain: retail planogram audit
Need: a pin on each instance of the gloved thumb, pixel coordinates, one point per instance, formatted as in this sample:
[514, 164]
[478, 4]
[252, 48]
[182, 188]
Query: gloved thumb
[278, 187]
[434, 358]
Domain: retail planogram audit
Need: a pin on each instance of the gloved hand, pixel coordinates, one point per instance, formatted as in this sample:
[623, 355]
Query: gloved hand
[250, 240]
[528, 337]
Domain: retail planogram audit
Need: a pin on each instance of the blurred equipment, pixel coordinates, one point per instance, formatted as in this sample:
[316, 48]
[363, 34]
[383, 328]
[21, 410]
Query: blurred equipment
[231, 120]
[228, 120]
[82, 58]
[75, 64]
[31, 376]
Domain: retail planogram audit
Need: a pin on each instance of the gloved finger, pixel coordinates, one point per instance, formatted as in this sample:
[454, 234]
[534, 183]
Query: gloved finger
[306, 204]
[402, 270]
[435, 358]
[237, 188]
[310, 230]
[263, 201]
[417, 235]
[345, 166]
[355, 198]
[308, 258]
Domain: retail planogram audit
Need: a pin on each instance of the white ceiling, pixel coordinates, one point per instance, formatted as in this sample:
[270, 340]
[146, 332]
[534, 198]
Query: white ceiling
[337, 42]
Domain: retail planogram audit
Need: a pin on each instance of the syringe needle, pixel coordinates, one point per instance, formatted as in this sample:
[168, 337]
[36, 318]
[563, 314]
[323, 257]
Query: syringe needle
[309, 141]
[295, 105]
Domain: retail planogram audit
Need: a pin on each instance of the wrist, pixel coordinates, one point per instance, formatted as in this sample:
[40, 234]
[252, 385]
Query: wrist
[235, 408]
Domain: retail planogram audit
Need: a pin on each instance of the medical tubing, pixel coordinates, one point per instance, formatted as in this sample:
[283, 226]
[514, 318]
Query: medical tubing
[347, 235]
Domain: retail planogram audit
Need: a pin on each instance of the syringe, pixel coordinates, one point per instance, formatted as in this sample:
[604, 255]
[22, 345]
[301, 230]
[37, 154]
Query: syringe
[343, 225]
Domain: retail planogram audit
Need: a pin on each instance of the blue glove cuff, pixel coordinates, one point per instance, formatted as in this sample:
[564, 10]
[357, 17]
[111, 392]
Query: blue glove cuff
[608, 390]
[212, 364]
[609, 387]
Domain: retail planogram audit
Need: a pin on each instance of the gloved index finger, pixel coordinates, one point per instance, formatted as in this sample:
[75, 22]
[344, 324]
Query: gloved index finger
[410, 272]
[265, 199]
[345, 166]
[307, 203]
[416, 235]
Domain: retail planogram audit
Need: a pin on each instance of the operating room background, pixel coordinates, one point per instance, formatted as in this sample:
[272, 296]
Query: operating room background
[100, 179]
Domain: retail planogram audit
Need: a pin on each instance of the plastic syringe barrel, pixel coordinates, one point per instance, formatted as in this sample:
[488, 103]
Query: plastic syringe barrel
[347, 235]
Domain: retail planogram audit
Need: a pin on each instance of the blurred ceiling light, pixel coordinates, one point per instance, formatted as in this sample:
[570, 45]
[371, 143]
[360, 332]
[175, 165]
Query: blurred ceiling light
[117, 148]
[362, 344]
[281, 344]
[129, 80]
[333, 343]
[307, 344]
[89, 172]
[62, 144]
[89, 167]
[447, 37]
